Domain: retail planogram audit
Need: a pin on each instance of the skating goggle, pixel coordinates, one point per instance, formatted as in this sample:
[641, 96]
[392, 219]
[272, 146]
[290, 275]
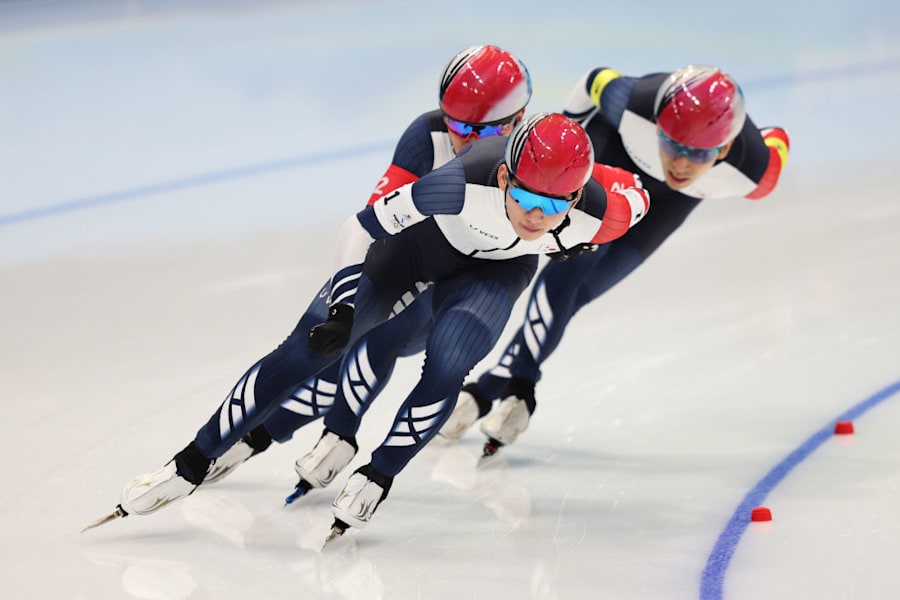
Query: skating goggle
[528, 200]
[695, 155]
[479, 130]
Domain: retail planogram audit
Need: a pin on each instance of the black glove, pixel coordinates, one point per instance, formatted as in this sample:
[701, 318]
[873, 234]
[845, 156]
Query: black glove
[573, 251]
[330, 337]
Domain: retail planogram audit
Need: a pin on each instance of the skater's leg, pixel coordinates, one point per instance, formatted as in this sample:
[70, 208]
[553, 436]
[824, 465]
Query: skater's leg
[369, 363]
[466, 326]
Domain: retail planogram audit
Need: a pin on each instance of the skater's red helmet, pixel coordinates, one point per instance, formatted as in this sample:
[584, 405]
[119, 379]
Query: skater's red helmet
[550, 153]
[700, 107]
[484, 84]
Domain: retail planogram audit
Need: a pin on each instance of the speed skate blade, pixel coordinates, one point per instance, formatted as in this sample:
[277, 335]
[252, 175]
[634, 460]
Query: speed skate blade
[490, 448]
[302, 488]
[337, 530]
[119, 513]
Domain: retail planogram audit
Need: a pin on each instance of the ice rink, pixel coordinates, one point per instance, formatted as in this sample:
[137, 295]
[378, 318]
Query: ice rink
[173, 174]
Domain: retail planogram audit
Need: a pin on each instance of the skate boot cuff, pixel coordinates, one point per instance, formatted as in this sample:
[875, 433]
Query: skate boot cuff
[258, 439]
[350, 440]
[484, 404]
[523, 389]
[383, 481]
[191, 464]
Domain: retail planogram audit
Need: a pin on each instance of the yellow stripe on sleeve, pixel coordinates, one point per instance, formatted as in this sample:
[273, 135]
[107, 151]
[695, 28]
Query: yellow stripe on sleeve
[599, 83]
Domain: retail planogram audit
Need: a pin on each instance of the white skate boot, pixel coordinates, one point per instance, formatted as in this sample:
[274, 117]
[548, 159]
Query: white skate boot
[253, 443]
[225, 465]
[464, 415]
[320, 466]
[149, 492]
[356, 502]
[470, 407]
[507, 421]
[510, 418]
[178, 478]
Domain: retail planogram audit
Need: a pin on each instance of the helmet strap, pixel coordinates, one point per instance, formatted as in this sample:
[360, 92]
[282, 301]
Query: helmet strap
[555, 232]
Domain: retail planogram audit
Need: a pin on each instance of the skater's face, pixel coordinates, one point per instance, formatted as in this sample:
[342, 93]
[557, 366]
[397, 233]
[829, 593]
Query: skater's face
[462, 134]
[532, 214]
[683, 165]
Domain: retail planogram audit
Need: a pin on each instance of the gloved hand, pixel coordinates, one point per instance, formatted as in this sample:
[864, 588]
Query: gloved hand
[573, 251]
[330, 337]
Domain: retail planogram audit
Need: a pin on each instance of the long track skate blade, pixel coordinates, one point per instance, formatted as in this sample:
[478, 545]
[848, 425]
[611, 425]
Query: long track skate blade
[490, 449]
[302, 488]
[337, 530]
[119, 513]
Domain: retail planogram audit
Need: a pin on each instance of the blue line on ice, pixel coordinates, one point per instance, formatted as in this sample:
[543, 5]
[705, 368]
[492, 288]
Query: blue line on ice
[717, 564]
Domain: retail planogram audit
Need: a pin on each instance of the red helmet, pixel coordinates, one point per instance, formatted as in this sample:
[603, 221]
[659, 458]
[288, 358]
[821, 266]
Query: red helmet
[484, 84]
[700, 106]
[550, 153]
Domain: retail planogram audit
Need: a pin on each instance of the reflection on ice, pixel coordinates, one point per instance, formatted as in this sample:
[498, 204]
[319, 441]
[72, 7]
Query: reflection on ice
[340, 571]
[158, 580]
[219, 513]
[490, 482]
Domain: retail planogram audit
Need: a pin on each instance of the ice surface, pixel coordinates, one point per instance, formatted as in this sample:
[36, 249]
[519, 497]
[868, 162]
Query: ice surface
[173, 173]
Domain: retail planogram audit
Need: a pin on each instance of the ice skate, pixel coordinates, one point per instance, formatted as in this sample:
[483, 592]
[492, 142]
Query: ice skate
[150, 492]
[510, 418]
[470, 406]
[357, 501]
[318, 468]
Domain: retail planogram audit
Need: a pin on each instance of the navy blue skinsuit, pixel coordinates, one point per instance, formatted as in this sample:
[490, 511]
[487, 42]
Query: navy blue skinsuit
[468, 307]
[568, 286]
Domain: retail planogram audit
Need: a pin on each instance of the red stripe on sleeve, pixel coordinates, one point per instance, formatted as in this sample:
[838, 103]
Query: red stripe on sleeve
[392, 179]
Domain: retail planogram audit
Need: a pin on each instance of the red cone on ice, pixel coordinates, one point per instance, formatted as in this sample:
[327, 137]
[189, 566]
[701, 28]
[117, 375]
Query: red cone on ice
[760, 514]
[843, 428]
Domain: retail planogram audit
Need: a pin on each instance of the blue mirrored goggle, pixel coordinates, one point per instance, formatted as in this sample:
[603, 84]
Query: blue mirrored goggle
[695, 155]
[529, 200]
[480, 130]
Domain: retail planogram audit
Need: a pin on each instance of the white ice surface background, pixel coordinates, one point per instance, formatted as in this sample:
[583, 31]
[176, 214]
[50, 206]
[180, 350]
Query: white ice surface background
[173, 174]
